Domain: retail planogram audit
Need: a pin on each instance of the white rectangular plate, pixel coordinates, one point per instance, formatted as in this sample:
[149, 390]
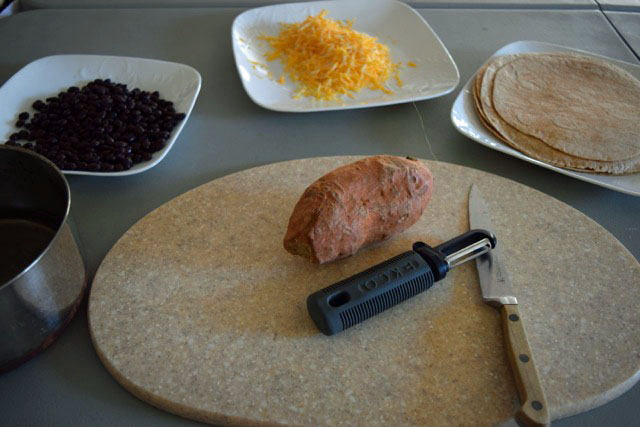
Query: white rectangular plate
[465, 119]
[46, 77]
[395, 24]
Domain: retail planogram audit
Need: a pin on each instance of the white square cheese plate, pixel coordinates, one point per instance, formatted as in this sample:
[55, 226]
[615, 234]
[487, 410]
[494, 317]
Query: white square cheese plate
[465, 119]
[408, 35]
[46, 77]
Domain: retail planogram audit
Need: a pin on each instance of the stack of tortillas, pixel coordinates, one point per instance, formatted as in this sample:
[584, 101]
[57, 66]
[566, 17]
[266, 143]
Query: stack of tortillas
[572, 111]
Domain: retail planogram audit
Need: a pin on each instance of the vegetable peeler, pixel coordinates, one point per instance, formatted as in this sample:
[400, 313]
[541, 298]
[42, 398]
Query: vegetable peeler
[363, 295]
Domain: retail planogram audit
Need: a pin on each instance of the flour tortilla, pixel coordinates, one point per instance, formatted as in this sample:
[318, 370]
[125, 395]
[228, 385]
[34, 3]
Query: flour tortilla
[477, 82]
[531, 146]
[484, 89]
[579, 105]
[476, 100]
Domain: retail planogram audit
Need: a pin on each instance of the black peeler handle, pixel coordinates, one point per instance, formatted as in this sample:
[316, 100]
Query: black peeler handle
[359, 297]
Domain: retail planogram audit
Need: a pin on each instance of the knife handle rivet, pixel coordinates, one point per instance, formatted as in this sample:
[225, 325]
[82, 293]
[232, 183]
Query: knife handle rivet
[536, 405]
[514, 317]
[523, 358]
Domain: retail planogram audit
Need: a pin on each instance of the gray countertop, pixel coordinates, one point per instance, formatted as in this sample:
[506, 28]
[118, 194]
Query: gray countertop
[516, 4]
[628, 25]
[67, 385]
[620, 5]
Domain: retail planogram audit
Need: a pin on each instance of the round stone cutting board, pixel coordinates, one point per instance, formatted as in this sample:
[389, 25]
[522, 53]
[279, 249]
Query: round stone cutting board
[199, 310]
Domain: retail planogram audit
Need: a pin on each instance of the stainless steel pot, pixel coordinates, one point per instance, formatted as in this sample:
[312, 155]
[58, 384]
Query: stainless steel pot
[42, 275]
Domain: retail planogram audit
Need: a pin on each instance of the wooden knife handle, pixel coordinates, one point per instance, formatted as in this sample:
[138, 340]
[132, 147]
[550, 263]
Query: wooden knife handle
[534, 410]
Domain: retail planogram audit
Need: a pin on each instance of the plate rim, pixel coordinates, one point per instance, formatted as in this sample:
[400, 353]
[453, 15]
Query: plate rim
[396, 3]
[176, 132]
[495, 144]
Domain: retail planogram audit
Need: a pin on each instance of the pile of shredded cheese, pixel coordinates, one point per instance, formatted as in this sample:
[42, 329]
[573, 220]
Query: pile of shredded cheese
[327, 58]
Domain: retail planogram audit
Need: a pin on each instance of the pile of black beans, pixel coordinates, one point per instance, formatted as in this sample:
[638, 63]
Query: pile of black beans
[102, 127]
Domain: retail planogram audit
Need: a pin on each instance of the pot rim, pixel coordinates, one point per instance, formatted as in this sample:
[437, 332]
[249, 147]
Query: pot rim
[64, 219]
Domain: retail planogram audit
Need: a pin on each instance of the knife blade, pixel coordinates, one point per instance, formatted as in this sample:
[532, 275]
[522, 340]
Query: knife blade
[497, 291]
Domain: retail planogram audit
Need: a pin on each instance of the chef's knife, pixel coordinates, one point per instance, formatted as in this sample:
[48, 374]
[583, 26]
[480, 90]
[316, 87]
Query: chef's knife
[497, 292]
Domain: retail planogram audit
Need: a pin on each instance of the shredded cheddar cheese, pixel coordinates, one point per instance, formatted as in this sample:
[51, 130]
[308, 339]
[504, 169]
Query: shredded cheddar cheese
[257, 64]
[327, 58]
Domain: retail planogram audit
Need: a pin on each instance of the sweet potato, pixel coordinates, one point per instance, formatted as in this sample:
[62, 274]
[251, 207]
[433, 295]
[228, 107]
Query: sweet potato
[358, 204]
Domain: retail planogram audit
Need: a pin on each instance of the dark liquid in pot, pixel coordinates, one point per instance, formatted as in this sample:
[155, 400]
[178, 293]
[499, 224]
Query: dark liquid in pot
[22, 240]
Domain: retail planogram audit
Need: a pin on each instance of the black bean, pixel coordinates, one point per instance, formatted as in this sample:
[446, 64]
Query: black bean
[101, 126]
[157, 146]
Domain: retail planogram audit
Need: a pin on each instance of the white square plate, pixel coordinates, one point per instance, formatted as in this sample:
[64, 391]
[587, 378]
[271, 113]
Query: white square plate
[465, 119]
[46, 77]
[395, 24]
